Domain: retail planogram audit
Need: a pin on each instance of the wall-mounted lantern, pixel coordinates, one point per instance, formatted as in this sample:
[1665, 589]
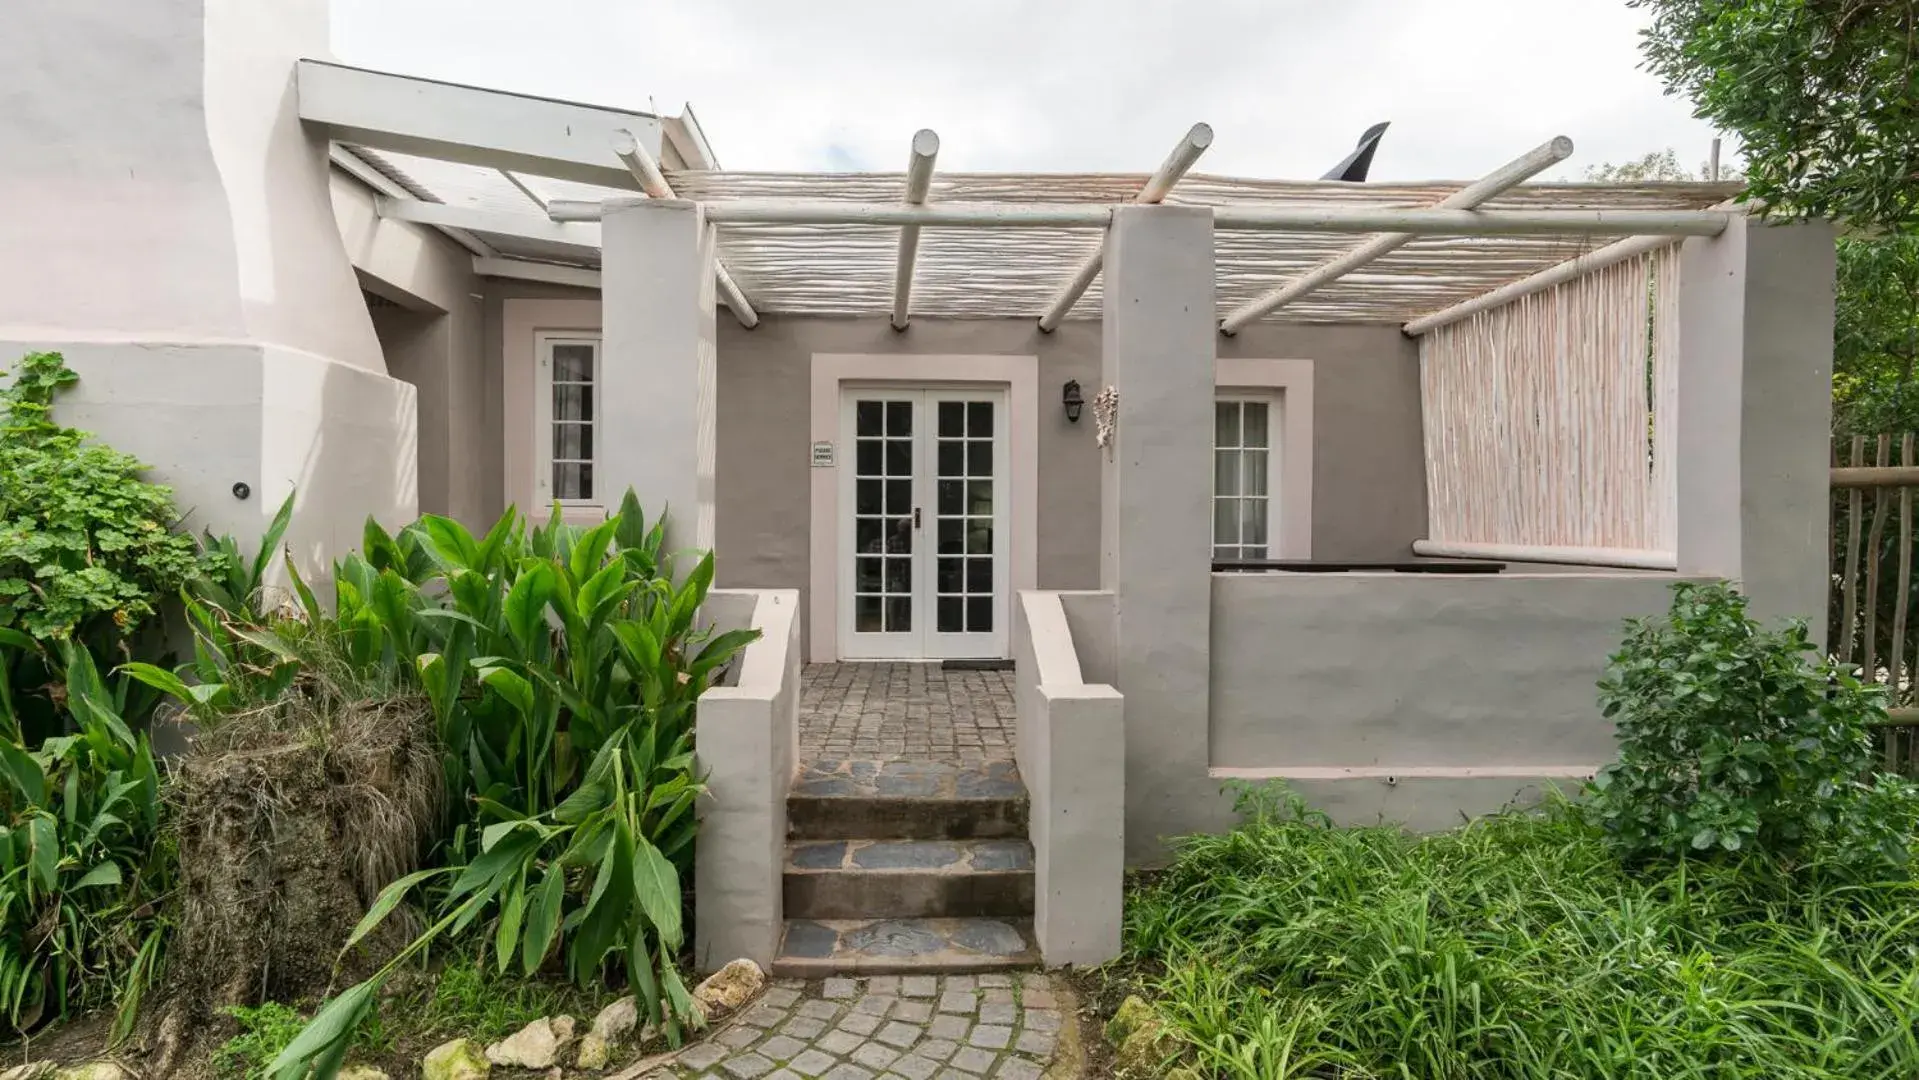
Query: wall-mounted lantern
[1069, 397]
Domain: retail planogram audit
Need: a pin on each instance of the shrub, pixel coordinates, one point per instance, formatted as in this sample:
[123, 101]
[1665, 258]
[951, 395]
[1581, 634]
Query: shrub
[562, 665]
[1732, 735]
[86, 546]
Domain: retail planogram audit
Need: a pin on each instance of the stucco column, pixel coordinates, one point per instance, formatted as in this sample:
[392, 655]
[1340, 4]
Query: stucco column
[657, 373]
[1157, 352]
[1755, 413]
[168, 228]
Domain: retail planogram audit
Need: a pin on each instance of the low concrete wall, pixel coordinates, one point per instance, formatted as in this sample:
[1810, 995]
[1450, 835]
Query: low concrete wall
[1416, 697]
[746, 745]
[1072, 755]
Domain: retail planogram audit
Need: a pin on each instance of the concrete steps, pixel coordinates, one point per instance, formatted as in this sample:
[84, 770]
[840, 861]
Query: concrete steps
[816, 948]
[854, 879]
[907, 867]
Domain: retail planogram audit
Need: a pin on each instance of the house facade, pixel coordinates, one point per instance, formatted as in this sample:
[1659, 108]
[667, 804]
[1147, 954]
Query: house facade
[1186, 449]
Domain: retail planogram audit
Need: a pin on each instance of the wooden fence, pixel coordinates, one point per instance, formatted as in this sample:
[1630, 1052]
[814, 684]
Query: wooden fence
[1872, 613]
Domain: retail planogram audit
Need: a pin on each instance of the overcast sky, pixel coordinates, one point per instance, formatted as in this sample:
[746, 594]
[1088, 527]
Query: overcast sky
[1069, 85]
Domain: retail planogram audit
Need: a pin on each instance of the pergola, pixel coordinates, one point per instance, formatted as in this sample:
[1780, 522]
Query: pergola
[521, 182]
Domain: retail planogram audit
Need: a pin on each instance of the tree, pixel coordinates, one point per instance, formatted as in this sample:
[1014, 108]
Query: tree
[1823, 95]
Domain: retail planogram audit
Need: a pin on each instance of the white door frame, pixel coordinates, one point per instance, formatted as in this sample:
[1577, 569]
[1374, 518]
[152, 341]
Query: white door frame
[1019, 375]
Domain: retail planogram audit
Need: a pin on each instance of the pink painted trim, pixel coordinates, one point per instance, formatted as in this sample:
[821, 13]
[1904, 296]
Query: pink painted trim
[522, 320]
[1019, 374]
[1293, 379]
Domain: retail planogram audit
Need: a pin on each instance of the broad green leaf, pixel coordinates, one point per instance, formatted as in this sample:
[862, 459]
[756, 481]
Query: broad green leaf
[590, 549]
[43, 835]
[107, 873]
[160, 679]
[335, 1023]
[269, 543]
[543, 918]
[588, 799]
[506, 936]
[526, 605]
[23, 773]
[511, 686]
[657, 885]
[449, 542]
[384, 903]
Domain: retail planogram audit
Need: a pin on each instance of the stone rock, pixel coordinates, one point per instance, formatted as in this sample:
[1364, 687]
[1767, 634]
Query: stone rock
[96, 1070]
[595, 1052]
[617, 1021]
[37, 1070]
[729, 988]
[1146, 1051]
[460, 1059]
[1133, 1013]
[362, 1072]
[535, 1046]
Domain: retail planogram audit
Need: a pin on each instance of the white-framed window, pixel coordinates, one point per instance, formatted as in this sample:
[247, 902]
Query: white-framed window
[568, 416]
[1245, 471]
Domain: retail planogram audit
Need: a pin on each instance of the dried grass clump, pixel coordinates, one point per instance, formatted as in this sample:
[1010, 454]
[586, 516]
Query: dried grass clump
[290, 818]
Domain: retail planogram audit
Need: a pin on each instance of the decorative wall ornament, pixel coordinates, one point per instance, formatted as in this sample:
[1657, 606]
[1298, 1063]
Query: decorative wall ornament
[1106, 418]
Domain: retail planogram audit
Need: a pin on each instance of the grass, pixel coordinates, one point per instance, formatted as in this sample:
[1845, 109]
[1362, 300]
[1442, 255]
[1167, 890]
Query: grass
[1518, 946]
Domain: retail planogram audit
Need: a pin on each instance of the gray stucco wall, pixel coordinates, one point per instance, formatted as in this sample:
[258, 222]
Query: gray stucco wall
[440, 354]
[1381, 670]
[1369, 487]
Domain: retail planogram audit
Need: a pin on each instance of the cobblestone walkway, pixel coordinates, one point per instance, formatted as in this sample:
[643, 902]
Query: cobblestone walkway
[884, 712]
[914, 1027]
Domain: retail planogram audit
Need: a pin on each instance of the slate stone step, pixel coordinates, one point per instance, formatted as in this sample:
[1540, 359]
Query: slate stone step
[906, 800]
[815, 948]
[852, 879]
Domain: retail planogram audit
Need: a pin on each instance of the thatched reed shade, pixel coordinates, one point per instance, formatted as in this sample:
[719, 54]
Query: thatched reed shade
[1005, 272]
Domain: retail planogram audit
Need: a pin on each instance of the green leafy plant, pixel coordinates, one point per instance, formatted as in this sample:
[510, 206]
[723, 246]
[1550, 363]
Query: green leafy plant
[1731, 735]
[86, 546]
[563, 665]
[265, 1030]
[82, 864]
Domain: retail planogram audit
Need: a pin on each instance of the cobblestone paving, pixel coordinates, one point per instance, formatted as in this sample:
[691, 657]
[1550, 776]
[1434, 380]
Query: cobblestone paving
[882, 711]
[913, 1027]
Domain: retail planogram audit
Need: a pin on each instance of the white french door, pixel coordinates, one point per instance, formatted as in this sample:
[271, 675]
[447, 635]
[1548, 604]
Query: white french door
[923, 512]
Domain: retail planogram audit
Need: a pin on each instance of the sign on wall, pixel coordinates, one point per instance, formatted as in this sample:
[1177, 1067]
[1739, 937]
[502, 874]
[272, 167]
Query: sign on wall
[822, 455]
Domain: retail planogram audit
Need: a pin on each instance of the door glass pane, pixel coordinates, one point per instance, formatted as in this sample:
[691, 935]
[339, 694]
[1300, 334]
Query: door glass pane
[952, 536]
[952, 458]
[899, 457]
[979, 614]
[952, 497]
[883, 532]
[979, 497]
[866, 496]
[952, 419]
[1253, 424]
[979, 419]
[866, 614]
[899, 614]
[951, 615]
[899, 418]
[1226, 423]
[572, 401]
[979, 457]
[572, 363]
[899, 497]
[867, 417]
[963, 464]
[866, 458]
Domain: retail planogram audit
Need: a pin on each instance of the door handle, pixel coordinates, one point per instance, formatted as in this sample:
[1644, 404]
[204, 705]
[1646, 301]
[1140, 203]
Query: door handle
[916, 517]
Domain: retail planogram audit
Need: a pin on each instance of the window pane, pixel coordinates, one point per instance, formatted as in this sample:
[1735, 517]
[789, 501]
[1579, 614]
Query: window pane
[899, 614]
[572, 401]
[1254, 466]
[866, 534]
[572, 363]
[574, 441]
[1253, 423]
[1226, 472]
[979, 458]
[1225, 521]
[899, 418]
[572, 480]
[952, 497]
[1226, 423]
[949, 576]
[949, 615]
[899, 497]
[952, 458]
[979, 575]
[979, 614]
[979, 536]
[866, 614]
[952, 418]
[866, 458]
[899, 457]
[952, 535]
[979, 419]
[866, 417]
[866, 574]
[899, 535]
[899, 575]
[979, 497]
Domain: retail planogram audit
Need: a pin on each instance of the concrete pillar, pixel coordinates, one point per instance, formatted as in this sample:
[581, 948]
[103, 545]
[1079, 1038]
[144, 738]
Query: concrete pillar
[657, 369]
[169, 229]
[1755, 413]
[1157, 351]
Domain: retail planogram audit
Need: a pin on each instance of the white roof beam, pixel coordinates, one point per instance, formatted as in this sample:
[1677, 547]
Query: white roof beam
[1197, 139]
[1506, 177]
[586, 238]
[1303, 218]
[645, 170]
[354, 166]
[468, 124]
[531, 195]
[1606, 256]
[919, 180]
[528, 270]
